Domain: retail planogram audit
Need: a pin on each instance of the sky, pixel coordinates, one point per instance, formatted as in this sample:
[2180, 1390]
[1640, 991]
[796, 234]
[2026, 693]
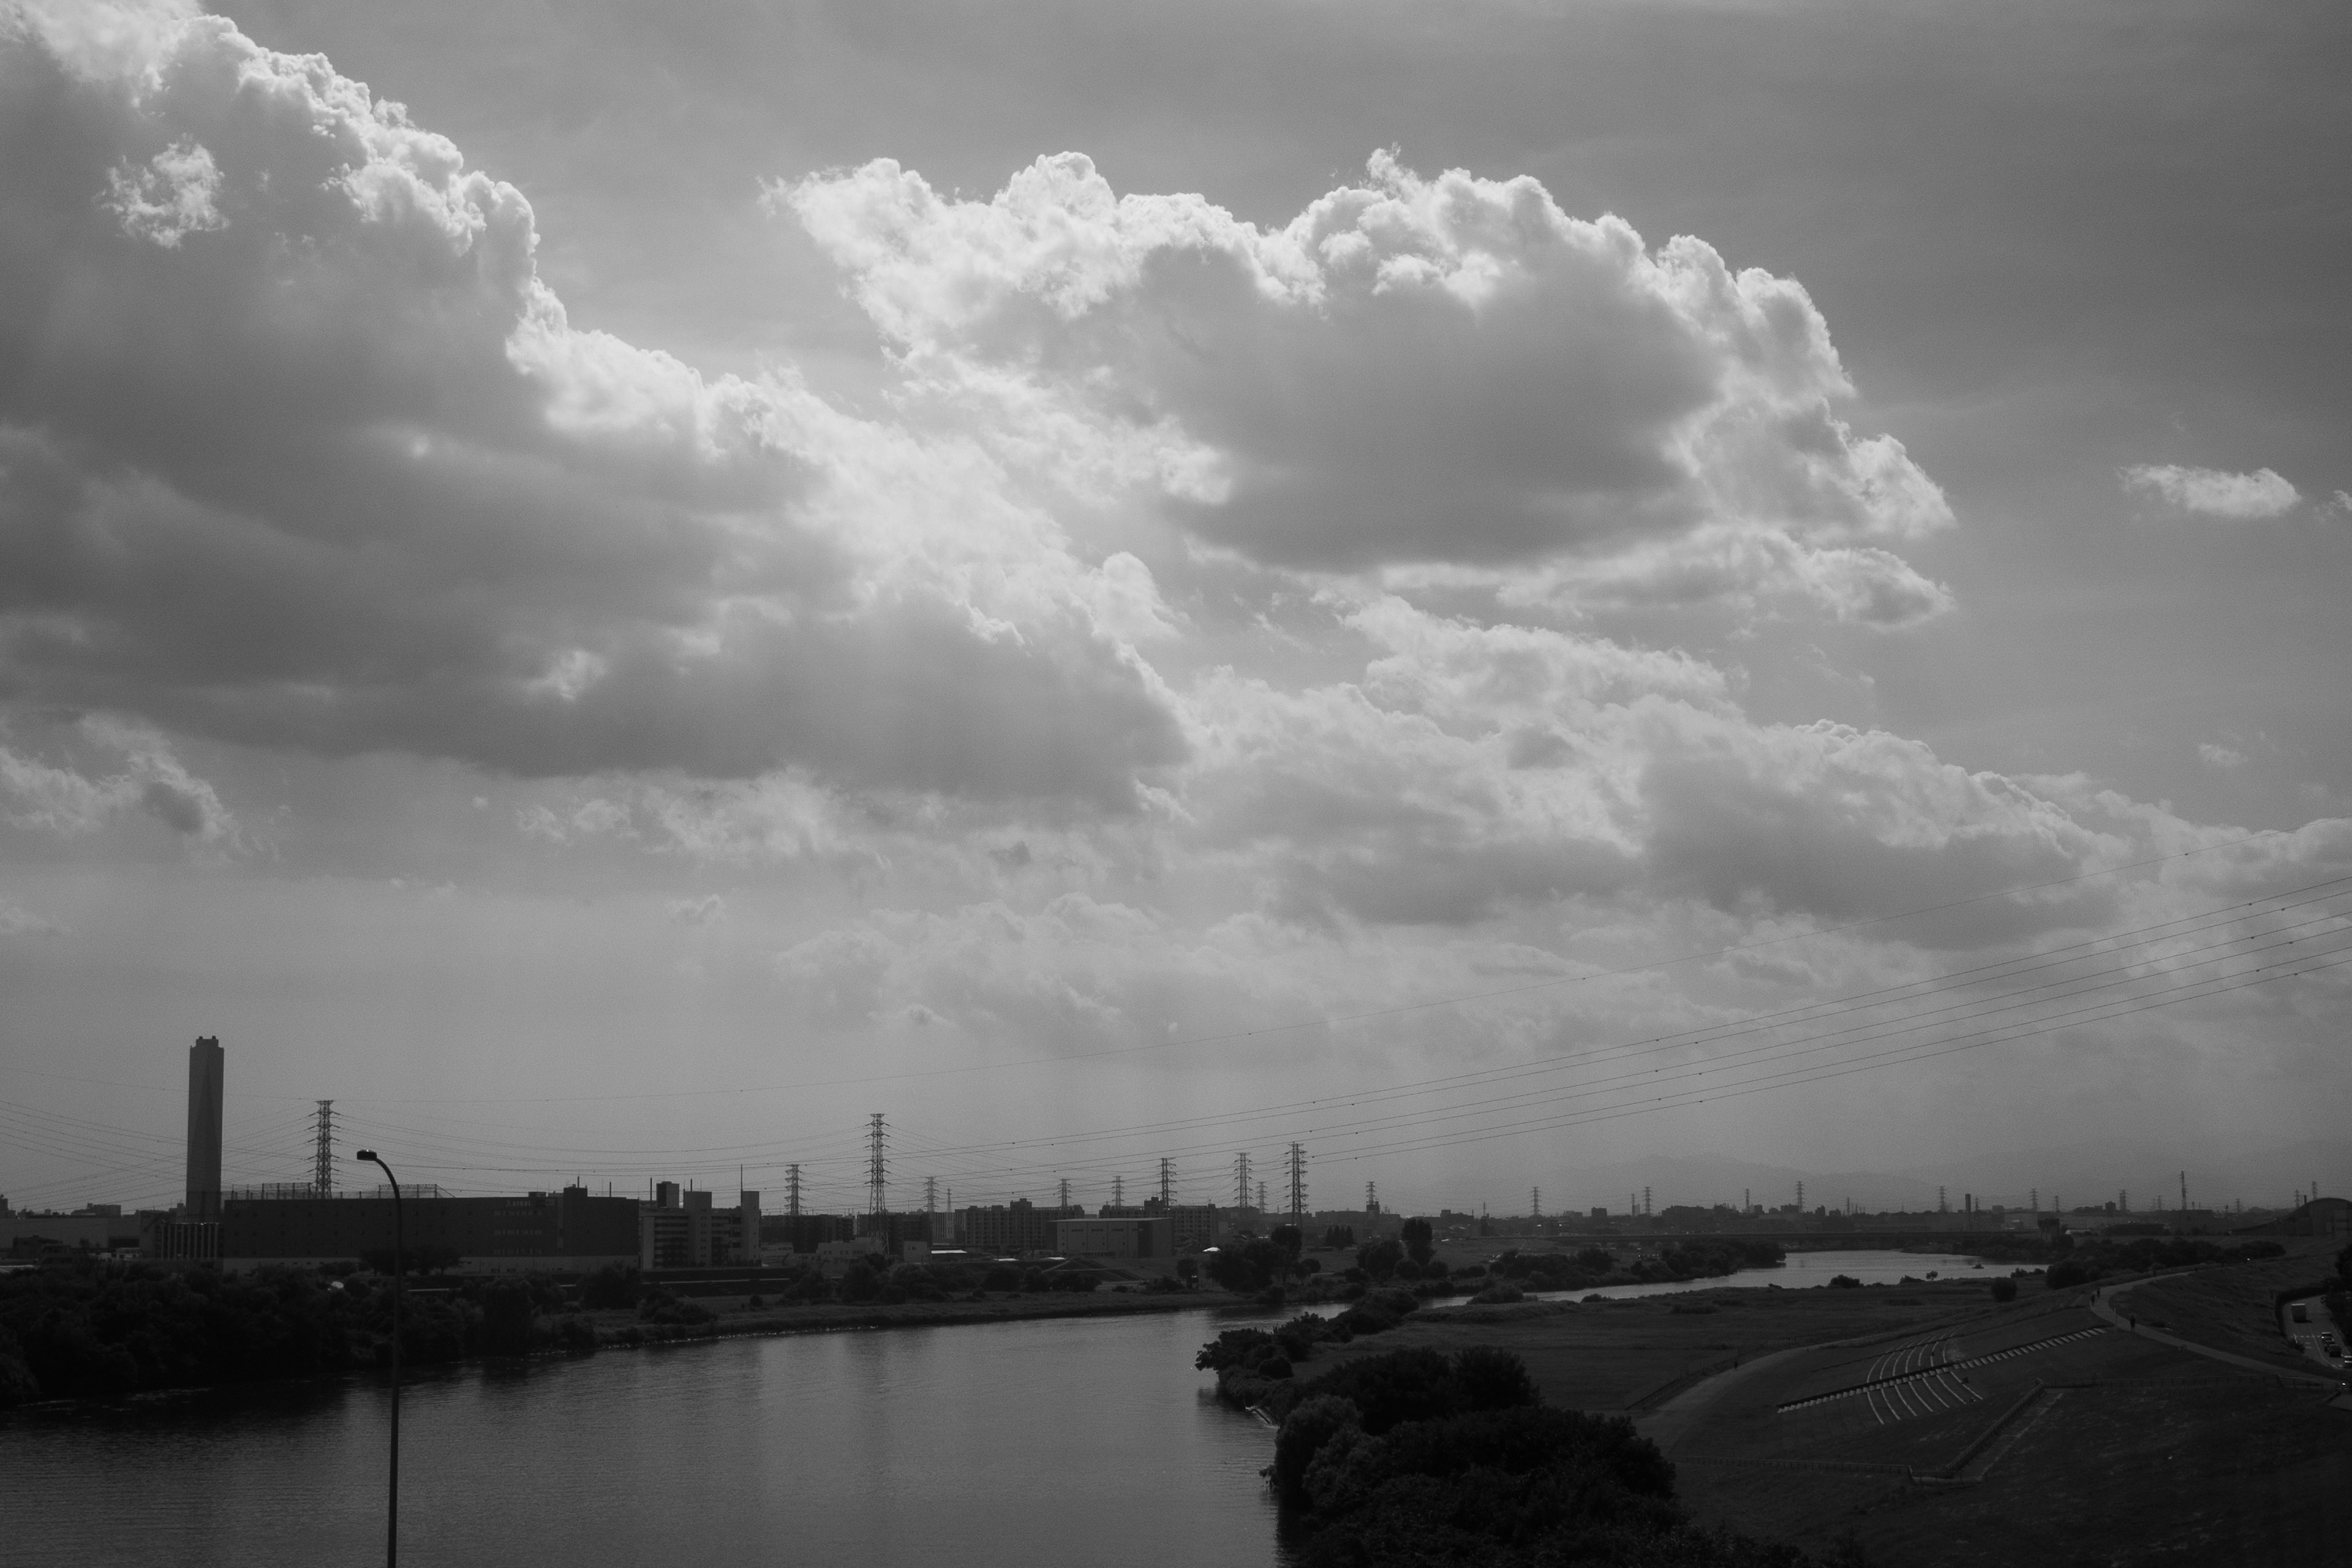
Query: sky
[1499, 590]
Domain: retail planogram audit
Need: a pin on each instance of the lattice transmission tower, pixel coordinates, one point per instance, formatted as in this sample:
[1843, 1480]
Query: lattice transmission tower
[878, 1169]
[1298, 1184]
[322, 1157]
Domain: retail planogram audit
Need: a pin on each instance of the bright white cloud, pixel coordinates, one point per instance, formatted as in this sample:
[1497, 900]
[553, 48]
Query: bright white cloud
[173, 197]
[345, 478]
[1412, 371]
[2216, 492]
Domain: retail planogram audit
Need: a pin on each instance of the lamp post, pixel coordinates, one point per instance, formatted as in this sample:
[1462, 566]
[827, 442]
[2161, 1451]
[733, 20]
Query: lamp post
[399, 1279]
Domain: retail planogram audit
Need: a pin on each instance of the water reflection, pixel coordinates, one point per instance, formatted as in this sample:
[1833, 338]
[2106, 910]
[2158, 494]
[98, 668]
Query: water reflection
[1048, 1443]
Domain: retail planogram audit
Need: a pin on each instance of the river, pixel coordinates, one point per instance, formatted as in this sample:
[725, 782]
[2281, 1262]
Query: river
[1021, 1445]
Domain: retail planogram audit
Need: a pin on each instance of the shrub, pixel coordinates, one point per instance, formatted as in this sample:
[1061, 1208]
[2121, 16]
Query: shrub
[1311, 1424]
[1844, 1282]
[2069, 1272]
[1273, 1366]
[1494, 1379]
[2004, 1289]
[860, 1283]
[507, 1312]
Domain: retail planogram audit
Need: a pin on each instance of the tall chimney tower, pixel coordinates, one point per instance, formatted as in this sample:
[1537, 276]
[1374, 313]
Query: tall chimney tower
[204, 1129]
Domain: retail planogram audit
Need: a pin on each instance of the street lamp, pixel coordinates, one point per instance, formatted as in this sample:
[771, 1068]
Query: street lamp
[399, 1278]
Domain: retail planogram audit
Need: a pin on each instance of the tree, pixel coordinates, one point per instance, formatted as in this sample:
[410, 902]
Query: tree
[2004, 1289]
[1188, 1270]
[860, 1283]
[417, 1258]
[1286, 1237]
[1418, 1241]
[614, 1285]
[507, 1312]
[1380, 1258]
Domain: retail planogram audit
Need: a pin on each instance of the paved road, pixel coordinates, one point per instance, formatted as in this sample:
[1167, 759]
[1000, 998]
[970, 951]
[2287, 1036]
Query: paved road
[2101, 1304]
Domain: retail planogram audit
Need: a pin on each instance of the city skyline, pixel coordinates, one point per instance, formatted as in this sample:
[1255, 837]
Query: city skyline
[1677, 583]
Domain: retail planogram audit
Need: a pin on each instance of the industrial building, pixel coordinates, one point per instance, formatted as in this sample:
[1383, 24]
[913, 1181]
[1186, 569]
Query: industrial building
[682, 1230]
[1119, 1235]
[569, 1230]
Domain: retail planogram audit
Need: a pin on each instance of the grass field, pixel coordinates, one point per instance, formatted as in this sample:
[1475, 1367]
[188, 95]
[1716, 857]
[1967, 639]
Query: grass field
[2050, 1438]
[1604, 1355]
[2083, 1445]
[2230, 1309]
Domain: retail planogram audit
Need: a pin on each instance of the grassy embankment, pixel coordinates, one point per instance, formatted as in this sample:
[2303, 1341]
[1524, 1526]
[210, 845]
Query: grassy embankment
[1608, 1355]
[2101, 1447]
[2104, 1448]
[2230, 1309]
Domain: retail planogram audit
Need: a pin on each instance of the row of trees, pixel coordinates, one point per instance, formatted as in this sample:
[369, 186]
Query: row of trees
[93, 1329]
[2080, 1262]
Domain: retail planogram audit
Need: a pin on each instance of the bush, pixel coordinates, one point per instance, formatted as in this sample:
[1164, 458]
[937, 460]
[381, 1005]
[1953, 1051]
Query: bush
[1460, 1463]
[1846, 1282]
[575, 1335]
[614, 1285]
[860, 1283]
[2004, 1289]
[1311, 1423]
[1273, 1366]
[507, 1312]
[2069, 1272]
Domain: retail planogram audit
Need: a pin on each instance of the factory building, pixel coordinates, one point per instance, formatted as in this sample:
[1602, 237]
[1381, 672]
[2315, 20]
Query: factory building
[1119, 1235]
[682, 1230]
[566, 1230]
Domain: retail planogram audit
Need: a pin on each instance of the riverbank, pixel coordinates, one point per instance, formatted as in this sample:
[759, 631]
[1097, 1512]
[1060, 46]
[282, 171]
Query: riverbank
[620, 1329]
[1624, 1354]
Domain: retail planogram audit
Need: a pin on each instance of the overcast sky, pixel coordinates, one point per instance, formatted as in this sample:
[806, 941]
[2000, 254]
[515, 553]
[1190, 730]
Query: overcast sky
[1493, 589]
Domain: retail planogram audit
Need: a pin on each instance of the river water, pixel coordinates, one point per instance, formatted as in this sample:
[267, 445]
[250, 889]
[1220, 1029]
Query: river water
[1075, 1441]
[1805, 1270]
[1022, 1444]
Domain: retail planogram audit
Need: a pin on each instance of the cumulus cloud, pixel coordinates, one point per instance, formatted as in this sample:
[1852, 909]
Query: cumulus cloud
[2216, 492]
[170, 198]
[1442, 370]
[57, 798]
[343, 477]
[2226, 758]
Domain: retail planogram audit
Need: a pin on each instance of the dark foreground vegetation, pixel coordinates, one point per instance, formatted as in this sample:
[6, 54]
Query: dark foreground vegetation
[102, 1330]
[83, 1328]
[1414, 1458]
[2089, 1259]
